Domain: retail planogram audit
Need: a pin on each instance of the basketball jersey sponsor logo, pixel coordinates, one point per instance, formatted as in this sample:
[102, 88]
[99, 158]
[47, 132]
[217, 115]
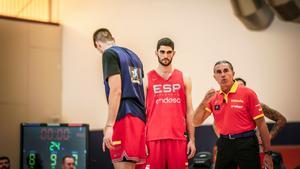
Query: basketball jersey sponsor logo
[167, 93]
[135, 74]
[166, 88]
[237, 101]
[236, 106]
[168, 100]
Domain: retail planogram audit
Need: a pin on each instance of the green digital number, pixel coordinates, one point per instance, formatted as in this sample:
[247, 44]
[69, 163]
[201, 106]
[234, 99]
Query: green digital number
[53, 159]
[31, 160]
[76, 158]
[54, 145]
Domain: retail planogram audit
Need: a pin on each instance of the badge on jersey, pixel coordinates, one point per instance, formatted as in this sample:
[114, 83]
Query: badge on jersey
[135, 74]
[217, 107]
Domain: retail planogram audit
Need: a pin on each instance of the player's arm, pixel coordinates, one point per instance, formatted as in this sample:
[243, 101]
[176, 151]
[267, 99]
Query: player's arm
[114, 98]
[280, 120]
[202, 111]
[190, 111]
[264, 134]
[145, 83]
[111, 73]
[189, 106]
[255, 110]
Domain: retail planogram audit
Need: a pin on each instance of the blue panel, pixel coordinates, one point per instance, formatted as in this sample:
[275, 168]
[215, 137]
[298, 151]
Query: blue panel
[205, 140]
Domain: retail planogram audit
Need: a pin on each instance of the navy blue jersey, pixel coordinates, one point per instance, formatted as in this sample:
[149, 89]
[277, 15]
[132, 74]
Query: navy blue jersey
[131, 71]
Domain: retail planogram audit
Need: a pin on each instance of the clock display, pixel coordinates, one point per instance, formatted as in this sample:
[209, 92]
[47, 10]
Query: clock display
[43, 146]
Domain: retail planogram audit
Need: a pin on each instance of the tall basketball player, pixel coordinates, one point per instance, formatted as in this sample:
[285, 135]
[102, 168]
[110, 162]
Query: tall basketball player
[169, 131]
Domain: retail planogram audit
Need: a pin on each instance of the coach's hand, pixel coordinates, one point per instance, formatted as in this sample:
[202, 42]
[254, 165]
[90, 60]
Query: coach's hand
[268, 161]
[191, 149]
[208, 96]
[107, 138]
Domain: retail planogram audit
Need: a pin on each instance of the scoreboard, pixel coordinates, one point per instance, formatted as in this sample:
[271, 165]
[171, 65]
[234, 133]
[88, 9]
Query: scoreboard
[44, 145]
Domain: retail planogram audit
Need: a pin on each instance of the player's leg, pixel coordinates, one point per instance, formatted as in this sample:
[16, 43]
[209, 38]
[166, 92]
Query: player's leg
[177, 154]
[156, 157]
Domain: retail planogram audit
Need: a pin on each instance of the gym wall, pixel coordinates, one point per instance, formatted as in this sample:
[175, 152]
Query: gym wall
[30, 79]
[203, 31]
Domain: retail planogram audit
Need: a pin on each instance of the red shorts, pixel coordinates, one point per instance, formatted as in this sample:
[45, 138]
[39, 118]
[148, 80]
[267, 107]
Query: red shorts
[129, 132]
[167, 153]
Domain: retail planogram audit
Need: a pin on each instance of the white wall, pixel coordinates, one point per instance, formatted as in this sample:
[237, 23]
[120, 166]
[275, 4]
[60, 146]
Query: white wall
[204, 32]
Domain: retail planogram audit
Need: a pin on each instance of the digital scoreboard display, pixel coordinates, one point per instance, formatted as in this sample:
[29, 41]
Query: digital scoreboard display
[44, 145]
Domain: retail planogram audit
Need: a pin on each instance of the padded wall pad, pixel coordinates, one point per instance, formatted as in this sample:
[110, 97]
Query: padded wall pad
[287, 10]
[254, 14]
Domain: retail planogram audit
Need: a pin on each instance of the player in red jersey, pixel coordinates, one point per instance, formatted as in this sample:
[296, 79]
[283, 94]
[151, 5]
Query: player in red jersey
[169, 113]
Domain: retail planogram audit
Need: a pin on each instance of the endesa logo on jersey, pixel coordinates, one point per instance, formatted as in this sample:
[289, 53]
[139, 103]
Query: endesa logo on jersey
[167, 93]
[168, 100]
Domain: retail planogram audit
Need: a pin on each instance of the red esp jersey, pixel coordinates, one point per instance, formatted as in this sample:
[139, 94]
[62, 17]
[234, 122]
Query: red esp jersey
[166, 107]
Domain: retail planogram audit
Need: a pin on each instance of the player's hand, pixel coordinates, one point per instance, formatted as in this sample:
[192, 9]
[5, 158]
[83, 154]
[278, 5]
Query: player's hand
[107, 138]
[191, 149]
[208, 96]
[268, 161]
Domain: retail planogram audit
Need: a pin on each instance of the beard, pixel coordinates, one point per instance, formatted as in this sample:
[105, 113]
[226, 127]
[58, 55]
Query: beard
[165, 62]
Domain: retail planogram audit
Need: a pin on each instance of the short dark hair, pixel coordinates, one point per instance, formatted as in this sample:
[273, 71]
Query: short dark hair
[165, 42]
[240, 79]
[224, 61]
[102, 35]
[65, 157]
[4, 158]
